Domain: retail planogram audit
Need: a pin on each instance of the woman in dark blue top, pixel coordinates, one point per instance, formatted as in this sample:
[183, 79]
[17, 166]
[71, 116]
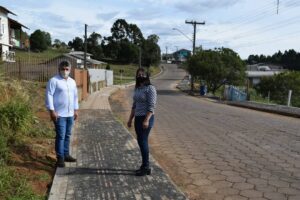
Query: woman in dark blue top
[144, 102]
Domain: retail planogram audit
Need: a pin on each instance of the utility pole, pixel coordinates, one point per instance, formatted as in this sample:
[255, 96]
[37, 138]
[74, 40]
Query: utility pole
[277, 7]
[85, 45]
[166, 53]
[140, 57]
[194, 23]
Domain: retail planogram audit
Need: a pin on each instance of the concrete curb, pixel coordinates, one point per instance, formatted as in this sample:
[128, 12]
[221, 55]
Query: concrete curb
[270, 108]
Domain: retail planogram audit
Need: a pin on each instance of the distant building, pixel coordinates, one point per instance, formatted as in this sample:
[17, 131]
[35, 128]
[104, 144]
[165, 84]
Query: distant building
[91, 63]
[181, 55]
[77, 59]
[255, 72]
[10, 35]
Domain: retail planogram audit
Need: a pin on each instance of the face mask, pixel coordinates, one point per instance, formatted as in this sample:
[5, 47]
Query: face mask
[65, 73]
[141, 79]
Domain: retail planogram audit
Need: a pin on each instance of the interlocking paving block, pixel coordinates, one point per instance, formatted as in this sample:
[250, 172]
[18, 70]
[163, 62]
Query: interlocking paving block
[107, 157]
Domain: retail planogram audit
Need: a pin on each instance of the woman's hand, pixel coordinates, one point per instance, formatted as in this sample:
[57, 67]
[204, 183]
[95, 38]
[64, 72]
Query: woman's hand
[129, 123]
[145, 124]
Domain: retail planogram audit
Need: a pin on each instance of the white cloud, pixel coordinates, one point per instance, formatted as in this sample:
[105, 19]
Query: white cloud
[231, 23]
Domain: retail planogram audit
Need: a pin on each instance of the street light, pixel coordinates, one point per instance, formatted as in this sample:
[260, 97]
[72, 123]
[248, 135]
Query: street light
[183, 34]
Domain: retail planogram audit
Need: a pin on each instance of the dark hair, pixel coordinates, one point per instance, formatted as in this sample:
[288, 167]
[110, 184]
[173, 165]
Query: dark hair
[147, 81]
[64, 63]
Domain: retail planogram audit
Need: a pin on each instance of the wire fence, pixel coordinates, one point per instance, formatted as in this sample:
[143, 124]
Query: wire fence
[42, 70]
[35, 69]
[288, 98]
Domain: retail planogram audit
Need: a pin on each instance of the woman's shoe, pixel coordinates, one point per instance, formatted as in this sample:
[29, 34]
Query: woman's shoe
[143, 172]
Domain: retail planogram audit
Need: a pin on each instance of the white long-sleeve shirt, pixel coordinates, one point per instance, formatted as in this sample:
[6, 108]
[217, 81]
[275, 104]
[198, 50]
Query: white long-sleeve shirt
[61, 96]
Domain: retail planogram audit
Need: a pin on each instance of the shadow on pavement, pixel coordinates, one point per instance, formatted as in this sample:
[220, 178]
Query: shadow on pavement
[101, 171]
[169, 92]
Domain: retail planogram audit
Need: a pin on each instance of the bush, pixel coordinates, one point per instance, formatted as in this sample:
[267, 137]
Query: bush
[279, 86]
[16, 116]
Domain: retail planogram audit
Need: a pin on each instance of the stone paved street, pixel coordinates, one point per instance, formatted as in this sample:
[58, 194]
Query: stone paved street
[107, 157]
[214, 151]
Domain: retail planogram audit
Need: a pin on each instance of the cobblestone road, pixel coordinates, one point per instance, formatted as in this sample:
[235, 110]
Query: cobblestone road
[214, 151]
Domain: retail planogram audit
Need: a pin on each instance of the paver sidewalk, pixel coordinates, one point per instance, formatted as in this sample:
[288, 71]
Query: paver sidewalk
[107, 157]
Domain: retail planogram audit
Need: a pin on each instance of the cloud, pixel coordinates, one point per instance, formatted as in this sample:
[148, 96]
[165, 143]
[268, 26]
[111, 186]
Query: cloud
[107, 16]
[144, 14]
[204, 5]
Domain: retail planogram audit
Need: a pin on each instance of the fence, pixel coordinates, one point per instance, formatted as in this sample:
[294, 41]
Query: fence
[81, 78]
[42, 70]
[99, 78]
[232, 93]
[35, 69]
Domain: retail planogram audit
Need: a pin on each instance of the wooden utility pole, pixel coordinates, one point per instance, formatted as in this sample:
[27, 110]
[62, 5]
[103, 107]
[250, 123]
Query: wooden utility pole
[140, 57]
[194, 23]
[85, 45]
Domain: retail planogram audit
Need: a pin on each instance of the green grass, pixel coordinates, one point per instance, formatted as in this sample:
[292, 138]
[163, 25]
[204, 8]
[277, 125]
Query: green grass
[48, 54]
[13, 186]
[129, 73]
[19, 127]
[254, 96]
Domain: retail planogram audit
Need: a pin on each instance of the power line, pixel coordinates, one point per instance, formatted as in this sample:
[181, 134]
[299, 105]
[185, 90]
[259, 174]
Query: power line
[253, 20]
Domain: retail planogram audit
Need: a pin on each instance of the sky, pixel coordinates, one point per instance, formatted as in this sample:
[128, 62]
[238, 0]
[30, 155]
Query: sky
[246, 26]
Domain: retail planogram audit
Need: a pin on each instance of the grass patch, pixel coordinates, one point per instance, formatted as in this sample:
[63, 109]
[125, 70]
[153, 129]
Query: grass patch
[24, 140]
[256, 97]
[13, 186]
[128, 73]
[48, 54]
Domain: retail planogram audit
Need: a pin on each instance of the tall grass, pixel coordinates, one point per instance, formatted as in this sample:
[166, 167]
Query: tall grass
[18, 102]
[15, 115]
[13, 186]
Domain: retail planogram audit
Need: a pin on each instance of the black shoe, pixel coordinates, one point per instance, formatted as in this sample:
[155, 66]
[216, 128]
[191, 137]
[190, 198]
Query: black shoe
[60, 162]
[141, 167]
[70, 159]
[143, 172]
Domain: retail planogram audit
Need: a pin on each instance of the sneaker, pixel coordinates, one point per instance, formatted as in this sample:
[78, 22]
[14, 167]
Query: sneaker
[70, 159]
[60, 162]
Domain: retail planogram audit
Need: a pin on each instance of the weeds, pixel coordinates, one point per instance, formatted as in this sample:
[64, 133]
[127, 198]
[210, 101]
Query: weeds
[13, 186]
[19, 100]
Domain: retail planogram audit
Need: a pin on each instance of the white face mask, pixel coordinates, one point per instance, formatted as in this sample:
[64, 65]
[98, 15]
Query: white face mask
[64, 73]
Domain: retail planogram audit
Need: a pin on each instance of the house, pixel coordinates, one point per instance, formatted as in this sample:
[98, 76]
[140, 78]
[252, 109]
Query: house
[76, 58]
[255, 72]
[181, 55]
[10, 35]
[91, 63]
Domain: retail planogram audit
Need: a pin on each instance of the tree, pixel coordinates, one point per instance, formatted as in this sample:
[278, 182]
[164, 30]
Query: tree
[57, 43]
[38, 41]
[76, 44]
[134, 34]
[119, 30]
[94, 45]
[217, 67]
[150, 51]
[279, 85]
[47, 37]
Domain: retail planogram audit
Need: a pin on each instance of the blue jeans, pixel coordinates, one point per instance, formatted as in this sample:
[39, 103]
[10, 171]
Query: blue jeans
[63, 128]
[142, 137]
